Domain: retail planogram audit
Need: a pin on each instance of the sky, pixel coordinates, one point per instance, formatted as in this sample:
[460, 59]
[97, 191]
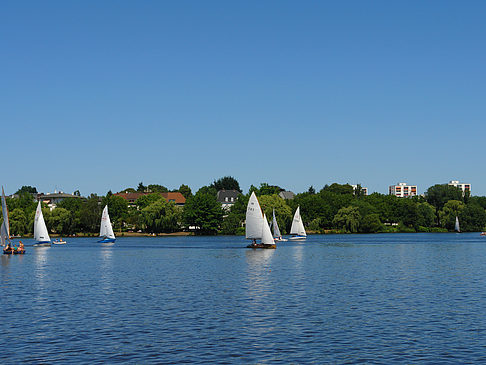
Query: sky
[102, 95]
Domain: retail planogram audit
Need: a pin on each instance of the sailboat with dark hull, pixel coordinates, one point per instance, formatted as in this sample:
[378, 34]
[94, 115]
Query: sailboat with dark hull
[257, 227]
[8, 248]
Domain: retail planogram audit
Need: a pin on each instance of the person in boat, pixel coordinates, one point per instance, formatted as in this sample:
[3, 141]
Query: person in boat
[21, 246]
[9, 247]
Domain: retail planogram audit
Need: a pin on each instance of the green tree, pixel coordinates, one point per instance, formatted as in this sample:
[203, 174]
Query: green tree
[141, 187]
[449, 212]
[283, 212]
[90, 214]
[18, 222]
[438, 195]
[27, 189]
[339, 189]
[185, 190]
[161, 216]
[370, 224]
[211, 190]
[226, 183]
[156, 188]
[348, 219]
[60, 221]
[472, 218]
[204, 212]
[145, 200]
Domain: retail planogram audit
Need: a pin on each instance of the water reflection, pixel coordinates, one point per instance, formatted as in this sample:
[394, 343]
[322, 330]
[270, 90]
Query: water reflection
[106, 268]
[40, 272]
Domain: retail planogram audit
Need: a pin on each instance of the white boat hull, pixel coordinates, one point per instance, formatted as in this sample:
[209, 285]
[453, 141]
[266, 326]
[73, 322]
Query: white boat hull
[297, 238]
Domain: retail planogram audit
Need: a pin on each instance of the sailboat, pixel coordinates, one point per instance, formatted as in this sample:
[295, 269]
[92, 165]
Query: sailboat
[106, 230]
[277, 236]
[456, 226]
[40, 230]
[5, 232]
[297, 229]
[257, 226]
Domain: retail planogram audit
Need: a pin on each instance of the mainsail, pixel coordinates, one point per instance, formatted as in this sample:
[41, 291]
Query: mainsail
[276, 231]
[297, 225]
[456, 226]
[106, 230]
[254, 218]
[40, 229]
[5, 228]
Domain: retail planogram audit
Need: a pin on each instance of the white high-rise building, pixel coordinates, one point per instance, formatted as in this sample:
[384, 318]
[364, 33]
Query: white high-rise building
[364, 190]
[463, 186]
[402, 190]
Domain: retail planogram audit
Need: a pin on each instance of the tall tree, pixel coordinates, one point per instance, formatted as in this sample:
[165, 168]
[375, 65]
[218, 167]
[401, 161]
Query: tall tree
[204, 212]
[185, 190]
[156, 188]
[141, 187]
[226, 183]
[347, 218]
[161, 216]
[27, 189]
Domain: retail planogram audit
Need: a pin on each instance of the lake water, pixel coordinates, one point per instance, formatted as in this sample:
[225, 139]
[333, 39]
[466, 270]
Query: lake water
[333, 299]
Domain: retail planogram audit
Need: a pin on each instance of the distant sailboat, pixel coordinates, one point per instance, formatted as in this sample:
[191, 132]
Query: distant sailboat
[297, 228]
[456, 226]
[106, 230]
[277, 236]
[8, 249]
[40, 230]
[5, 229]
[257, 226]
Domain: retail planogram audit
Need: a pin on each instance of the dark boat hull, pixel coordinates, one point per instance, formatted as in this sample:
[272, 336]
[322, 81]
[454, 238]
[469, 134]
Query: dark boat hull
[262, 245]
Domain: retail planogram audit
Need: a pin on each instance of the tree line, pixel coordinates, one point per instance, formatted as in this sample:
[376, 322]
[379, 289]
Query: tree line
[335, 208]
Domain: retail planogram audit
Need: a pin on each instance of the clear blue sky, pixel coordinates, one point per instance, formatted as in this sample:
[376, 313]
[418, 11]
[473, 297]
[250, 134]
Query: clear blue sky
[100, 95]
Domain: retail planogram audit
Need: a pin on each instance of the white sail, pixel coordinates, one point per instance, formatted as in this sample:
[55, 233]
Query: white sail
[297, 224]
[5, 228]
[254, 218]
[106, 230]
[276, 231]
[267, 237]
[456, 227]
[40, 229]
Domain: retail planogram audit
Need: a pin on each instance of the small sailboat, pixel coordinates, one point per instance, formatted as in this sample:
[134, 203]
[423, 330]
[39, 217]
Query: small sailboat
[8, 249]
[277, 236]
[456, 226]
[40, 229]
[297, 229]
[106, 230]
[257, 226]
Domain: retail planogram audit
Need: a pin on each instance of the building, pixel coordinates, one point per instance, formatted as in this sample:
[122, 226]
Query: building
[227, 198]
[173, 196]
[463, 186]
[364, 190]
[402, 190]
[287, 195]
[52, 199]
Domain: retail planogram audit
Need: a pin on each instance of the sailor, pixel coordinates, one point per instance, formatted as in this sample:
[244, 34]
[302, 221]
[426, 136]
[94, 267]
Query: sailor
[21, 246]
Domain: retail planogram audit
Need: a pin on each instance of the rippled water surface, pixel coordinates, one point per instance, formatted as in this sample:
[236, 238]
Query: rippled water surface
[336, 299]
